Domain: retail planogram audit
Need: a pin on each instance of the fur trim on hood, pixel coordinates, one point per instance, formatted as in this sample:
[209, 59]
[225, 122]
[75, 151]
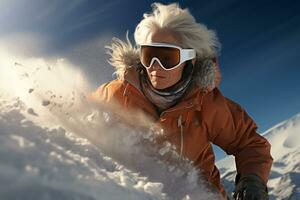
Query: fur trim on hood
[125, 57]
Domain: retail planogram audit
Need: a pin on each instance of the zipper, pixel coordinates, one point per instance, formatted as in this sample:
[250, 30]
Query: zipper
[179, 124]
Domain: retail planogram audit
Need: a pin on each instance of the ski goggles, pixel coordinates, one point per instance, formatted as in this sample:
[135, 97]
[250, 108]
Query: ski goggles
[168, 56]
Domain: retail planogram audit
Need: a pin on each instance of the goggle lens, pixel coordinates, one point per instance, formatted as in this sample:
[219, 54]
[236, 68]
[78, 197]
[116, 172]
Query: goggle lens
[168, 56]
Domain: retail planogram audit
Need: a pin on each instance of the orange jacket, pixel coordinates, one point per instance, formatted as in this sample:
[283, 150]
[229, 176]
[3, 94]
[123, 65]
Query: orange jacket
[202, 117]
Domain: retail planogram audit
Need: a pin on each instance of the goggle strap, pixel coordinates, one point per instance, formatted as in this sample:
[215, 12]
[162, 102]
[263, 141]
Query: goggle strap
[187, 54]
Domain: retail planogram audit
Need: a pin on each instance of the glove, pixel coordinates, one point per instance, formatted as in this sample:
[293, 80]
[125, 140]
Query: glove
[250, 187]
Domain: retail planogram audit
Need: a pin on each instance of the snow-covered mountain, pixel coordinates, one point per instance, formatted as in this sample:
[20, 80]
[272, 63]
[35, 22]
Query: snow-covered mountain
[284, 182]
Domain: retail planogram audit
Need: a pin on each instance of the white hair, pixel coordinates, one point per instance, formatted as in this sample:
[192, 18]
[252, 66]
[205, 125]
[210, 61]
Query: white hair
[206, 73]
[182, 23]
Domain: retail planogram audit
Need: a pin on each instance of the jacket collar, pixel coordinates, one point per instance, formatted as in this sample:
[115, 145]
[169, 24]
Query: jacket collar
[192, 100]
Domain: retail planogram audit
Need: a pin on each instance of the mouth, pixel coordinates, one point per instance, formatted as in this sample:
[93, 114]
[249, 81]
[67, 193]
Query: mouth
[157, 76]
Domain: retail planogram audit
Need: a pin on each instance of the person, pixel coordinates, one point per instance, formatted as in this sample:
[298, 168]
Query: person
[172, 75]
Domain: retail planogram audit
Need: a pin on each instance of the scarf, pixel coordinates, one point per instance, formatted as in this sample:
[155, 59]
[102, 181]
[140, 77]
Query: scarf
[166, 98]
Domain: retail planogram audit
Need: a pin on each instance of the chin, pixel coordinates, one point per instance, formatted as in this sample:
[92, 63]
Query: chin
[159, 86]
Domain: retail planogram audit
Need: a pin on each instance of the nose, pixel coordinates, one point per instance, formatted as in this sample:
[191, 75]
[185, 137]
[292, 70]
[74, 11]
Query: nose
[156, 65]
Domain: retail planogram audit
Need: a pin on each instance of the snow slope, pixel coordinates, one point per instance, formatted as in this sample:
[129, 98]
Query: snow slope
[284, 182]
[55, 144]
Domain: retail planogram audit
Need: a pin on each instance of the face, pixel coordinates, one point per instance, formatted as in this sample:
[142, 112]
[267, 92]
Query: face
[159, 77]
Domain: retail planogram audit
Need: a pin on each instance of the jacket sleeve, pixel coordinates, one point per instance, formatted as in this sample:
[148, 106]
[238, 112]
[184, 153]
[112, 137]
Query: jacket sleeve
[109, 92]
[236, 133]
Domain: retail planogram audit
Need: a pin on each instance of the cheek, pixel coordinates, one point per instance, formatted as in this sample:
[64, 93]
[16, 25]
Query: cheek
[177, 73]
[172, 78]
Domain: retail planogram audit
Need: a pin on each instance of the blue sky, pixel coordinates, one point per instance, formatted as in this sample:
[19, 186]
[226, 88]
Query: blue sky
[260, 40]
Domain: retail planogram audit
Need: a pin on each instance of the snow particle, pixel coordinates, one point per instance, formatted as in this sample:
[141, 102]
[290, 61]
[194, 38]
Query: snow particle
[45, 102]
[31, 112]
[31, 169]
[153, 188]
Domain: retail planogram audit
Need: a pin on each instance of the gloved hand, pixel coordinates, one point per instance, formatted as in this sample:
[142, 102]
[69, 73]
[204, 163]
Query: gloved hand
[250, 187]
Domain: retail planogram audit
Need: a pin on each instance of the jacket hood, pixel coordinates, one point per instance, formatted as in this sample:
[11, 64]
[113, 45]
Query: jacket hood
[125, 59]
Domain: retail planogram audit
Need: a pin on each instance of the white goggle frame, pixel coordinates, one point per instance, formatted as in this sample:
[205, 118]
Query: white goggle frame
[185, 54]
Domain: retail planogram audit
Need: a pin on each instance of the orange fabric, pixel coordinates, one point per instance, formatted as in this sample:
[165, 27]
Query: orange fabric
[207, 117]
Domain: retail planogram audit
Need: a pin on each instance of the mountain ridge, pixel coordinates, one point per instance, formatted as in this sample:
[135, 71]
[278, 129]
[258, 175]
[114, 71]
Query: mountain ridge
[284, 179]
